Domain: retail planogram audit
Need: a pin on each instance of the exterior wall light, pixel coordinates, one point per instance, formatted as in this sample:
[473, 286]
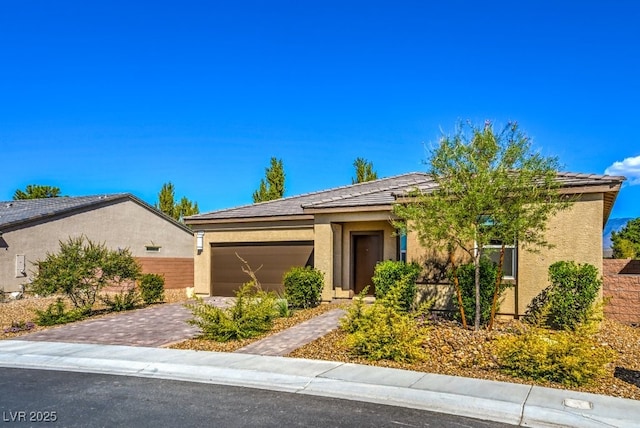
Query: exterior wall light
[200, 240]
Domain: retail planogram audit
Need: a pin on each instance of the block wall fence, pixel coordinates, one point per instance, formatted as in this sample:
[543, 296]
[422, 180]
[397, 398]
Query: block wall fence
[177, 271]
[621, 288]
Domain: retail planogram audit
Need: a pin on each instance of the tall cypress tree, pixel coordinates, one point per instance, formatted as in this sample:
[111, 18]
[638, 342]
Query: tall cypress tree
[272, 186]
[177, 210]
[364, 171]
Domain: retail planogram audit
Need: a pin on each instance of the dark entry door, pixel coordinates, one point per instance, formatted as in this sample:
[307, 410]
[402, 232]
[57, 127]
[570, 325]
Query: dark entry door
[367, 251]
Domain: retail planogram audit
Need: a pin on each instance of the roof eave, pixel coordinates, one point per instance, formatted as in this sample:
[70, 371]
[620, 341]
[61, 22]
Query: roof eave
[351, 209]
[204, 221]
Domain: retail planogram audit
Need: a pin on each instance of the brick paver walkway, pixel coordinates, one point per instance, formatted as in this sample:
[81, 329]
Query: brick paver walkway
[162, 325]
[293, 338]
[157, 325]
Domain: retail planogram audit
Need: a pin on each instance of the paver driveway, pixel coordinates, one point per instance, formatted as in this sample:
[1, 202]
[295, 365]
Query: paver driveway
[157, 325]
[162, 325]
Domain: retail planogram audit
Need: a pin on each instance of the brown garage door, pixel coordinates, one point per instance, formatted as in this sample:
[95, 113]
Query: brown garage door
[270, 260]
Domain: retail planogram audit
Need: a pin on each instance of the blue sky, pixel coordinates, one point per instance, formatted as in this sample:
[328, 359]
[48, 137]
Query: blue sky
[113, 96]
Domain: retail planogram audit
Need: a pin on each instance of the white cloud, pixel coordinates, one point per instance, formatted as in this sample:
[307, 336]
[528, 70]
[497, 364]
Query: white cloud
[630, 168]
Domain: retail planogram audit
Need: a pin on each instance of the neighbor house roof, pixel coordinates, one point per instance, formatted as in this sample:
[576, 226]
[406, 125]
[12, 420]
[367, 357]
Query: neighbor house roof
[21, 212]
[380, 194]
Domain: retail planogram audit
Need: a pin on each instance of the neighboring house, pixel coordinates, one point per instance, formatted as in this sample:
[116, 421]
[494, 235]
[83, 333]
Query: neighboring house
[31, 228]
[345, 231]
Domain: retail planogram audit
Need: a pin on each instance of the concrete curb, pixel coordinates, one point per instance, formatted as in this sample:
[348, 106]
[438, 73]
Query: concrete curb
[515, 404]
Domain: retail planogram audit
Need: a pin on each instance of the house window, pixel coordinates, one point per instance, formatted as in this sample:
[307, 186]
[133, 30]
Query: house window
[510, 257]
[152, 248]
[402, 245]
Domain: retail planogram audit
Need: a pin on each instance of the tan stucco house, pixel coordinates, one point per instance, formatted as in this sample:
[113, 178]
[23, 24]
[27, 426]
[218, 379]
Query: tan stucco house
[345, 231]
[31, 228]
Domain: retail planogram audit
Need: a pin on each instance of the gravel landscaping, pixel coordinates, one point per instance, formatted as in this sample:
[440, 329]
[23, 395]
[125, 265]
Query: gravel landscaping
[458, 352]
[452, 350]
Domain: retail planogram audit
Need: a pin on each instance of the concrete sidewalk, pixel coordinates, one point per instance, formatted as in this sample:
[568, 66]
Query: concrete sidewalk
[488, 400]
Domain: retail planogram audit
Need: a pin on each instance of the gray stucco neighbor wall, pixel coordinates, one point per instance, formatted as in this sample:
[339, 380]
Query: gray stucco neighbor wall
[121, 224]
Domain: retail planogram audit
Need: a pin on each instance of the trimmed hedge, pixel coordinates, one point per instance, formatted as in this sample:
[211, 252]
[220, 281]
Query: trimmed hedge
[389, 274]
[303, 287]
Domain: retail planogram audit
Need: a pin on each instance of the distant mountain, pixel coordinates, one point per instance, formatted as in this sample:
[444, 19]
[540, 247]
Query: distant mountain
[614, 224]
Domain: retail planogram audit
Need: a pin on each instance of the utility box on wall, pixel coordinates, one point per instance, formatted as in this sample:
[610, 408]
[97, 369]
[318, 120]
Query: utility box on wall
[21, 269]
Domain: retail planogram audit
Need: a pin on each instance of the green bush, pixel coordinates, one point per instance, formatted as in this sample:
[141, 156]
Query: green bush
[303, 287]
[284, 311]
[389, 273]
[122, 301]
[252, 314]
[568, 301]
[571, 358]
[384, 331]
[81, 269]
[151, 288]
[57, 314]
[467, 282]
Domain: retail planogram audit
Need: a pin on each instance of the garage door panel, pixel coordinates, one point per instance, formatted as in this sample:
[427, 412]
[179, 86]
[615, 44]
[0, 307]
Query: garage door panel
[269, 261]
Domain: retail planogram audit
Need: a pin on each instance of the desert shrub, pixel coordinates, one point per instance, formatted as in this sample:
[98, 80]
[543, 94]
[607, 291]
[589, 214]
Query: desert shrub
[81, 269]
[384, 330]
[467, 280]
[568, 301]
[282, 305]
[571, 358]
[56, 313]
[17, 326]
[252, 314]
[303, 286]
[388, 273]
[124, 300]
[151, 288]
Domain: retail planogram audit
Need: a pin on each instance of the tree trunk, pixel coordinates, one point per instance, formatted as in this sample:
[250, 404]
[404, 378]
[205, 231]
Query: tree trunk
[496, 290]
[476, 262]
[456, 283]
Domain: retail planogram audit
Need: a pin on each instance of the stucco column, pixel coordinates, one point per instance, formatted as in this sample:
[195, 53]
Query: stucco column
[202, 268]
[323, 256]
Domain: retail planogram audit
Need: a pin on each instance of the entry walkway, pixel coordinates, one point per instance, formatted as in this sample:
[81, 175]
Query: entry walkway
[289, 340]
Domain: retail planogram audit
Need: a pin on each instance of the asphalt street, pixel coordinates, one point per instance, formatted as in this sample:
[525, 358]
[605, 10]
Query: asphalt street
[41, 398]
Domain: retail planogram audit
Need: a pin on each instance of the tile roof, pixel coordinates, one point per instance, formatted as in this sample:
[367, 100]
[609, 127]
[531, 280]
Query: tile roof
[26, 210]
[376, 192]
[382, 192]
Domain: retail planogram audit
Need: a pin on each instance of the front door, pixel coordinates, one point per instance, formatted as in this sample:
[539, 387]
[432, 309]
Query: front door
[366, 252]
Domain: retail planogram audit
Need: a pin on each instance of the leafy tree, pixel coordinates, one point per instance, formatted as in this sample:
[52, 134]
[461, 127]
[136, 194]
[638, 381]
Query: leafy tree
[167, 204]
[81, 269]
[272, 186]
[626, 242]
[489, 187]
[364, 171]
[37, 191]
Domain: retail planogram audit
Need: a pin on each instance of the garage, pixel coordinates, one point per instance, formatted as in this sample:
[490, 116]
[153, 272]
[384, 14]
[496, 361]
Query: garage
[269, 260]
